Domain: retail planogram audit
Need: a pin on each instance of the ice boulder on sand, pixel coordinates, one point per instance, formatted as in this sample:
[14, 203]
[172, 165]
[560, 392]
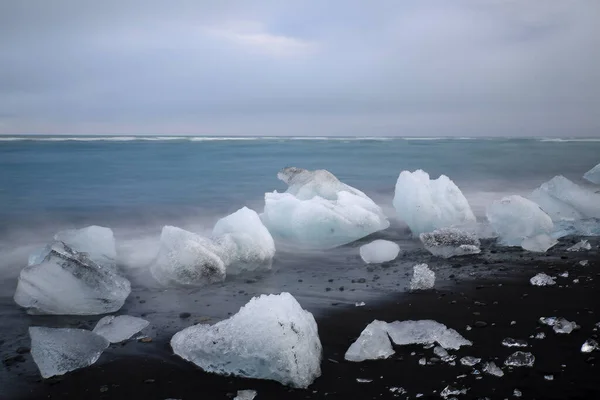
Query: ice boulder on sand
[319, 211]
[428, 204]
[563, 199]
[120, 328]
[271, 337]
[539, 243]
[450, 242]
[515, 218]
[372, 344]
[542, 279]
[68, 282]
[425, 332]
[58, 351]
[593, 175]
[379, 251]
[423, 278]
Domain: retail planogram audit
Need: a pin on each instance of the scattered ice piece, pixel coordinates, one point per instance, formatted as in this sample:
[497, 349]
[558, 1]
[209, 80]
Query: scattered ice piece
[589, 346]
[540, 335]
[542, 280]
[564, 274]
[491, 368]
[428, 204]
[58, 351]
[373, 343]
[468, 327]
[561, 325]
[67, 282]
[440, 352]
[583, 263]
[379, 251]
[575, 280]
[539, 243]
[120, 328]
[515, 218]
[422, 361]
[510, 342]
[520, 359]
[451, 391]
[469, 361]
[593, 175]
[517, 393]
[360, 380]
[450, 242]
[423, 278]
[549, 377]
[461, 376]
[425, 331]
[580, 246]
[271, 337]
[359, 304]
[550, 321]
[245, 395]
[476, 372]
[513, 323]
[397, 390]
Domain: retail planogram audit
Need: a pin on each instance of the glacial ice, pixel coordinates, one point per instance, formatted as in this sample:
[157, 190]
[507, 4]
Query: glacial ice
[68, 282]
[245, 395]
[580, 246]
[568, 199]
[373, 343]
[424, 332]
[450, 242]
[510, 342]
[96, 241]
[451, 391]
[58, 351]
[319, 211]
[559, 325]
[542, 279]
[491, 368]
[593, 175]
[117, 329]
[520, 359]
[515, 218]
[379, 251]
[539, 243]
[589, 345]
[469, 361]
[428, 204]
[423, 278]
[271, 337]
[583, 227]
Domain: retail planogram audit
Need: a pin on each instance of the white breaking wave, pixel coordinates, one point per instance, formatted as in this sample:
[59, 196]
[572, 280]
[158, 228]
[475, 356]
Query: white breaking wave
[561, 140]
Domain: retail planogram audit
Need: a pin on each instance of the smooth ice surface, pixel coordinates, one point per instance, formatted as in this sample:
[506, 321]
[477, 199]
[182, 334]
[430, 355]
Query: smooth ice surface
[520, 359]
[585, 227]
[96, 241]
[450, 242]
[491, 368]
[372, 344]
[510, 342]
[58, 351]
[245, 395]
[539, 243]
[379, 251]
[564, 326]
[580, 246]
[271, 337]
[469, 361]
[569, 200]
[515, 218]
[423, 278]
[542, 279]
[120, 328]
[424, 332]
[68, 282]
[319, 211]
[593, 175]
[589, 345]
[428, 204]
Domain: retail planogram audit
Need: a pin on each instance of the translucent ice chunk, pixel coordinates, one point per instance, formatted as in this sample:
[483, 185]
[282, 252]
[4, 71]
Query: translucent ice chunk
[245, 395]
[379, 251]
[510, 342]
[373, 343]
[542, 280]
[450, 242]
[589, 345]
[451, 391]
[539, 243]
[580, 246]
[58, 351]
[520, 359]
[572, 197]
[469, 361]
[491, 368]
[271, 337]
[425, 331]
[583, 263]
[96, 241]
[120, 328]
[563, 326]
[423, 278]
[593, 175]
[428, 204]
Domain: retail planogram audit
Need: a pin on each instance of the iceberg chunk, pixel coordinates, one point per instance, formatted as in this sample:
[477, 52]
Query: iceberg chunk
[379, 251]
[372, 344]
[118, 329]
[58, 351]
[469, 361]
[68, 282]
[589, 345]
[319, 211]
[580, 246]
[542, 279]
[539, 243]
[245, 395]
[450, 242]
[423, 278]
[96, 241]
[425, 332]
[271, 337]
[520, 359]
[515, 218]
[428, 204]
[569, 200]
[593, 175]
[491, 368]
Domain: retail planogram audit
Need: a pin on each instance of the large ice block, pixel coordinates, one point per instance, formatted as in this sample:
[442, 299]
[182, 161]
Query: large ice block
[593, 175]
[425, 332]
[450, 242]
[565, 199]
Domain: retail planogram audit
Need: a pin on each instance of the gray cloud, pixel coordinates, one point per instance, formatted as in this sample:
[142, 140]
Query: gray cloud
[418, 67]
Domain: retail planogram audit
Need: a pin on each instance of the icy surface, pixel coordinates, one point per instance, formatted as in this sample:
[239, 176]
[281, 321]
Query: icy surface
[428, 204]
[510, 342]
[58, 351]
[520, 359]
[515, 218]
[319, 211]
[583, 263]
[593, 175]
[589, 345]
[373, 343]
[120, 328]
[585, 227]
[539, 243]
[424, 332]
[423, 278]
[451, 391]
[379, 251]
[542, 280]
[271, 337]
[564, 326]
[491, 368]
[569, 200]
[469, 361]
[450, 242]
[580, 246]
[97, 241]
[245, 395]
[68, 282]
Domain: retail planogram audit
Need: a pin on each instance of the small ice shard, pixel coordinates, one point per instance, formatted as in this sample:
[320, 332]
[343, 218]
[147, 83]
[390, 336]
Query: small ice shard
[491, 368]
[469, 361]
[580, 246]
[510, 342]
[117, 329]
[563, 326]
[361, 380]
[397, 390]
[451, 391]
[319, 211]
[440, 352]
[583, 263]
[564, 274]
[67, 282]
[542, 280]
[540, 335]
[422, 361]
[593, 175]
[58, 351]
[359, 304]
[96, 241]
[549, 377]
[271, 337]
[539, 243]
[520, 359]
[450, 242]
[423, 278]
[550, 321]
[245, 395]
[515, 218]
[517, 393]
[428, 204]
[372, 344]
[379, 251]
[589, 345]
[425, 331]
[569, 199]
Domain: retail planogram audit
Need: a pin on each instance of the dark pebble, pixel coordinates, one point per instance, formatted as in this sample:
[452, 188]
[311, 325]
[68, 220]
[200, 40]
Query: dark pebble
[23, 350]
[184, 315]
[480, 324]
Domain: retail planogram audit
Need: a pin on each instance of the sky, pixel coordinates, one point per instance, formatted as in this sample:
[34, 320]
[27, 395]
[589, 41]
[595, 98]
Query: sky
[301, 67]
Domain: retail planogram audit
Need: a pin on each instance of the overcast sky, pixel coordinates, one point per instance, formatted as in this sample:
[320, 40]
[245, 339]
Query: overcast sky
[301, 67]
